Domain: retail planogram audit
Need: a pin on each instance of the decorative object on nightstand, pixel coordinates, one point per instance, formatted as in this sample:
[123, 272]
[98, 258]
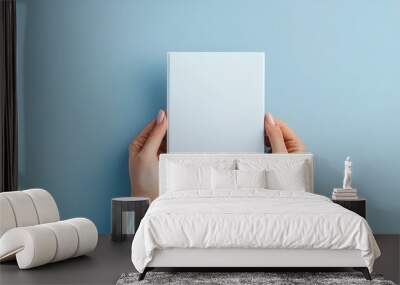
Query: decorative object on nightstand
[347, 192]
[347, 174]
[127, 212]
[358, 205]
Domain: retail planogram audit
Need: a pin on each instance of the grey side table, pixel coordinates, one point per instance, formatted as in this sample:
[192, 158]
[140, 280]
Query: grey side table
[127, 212]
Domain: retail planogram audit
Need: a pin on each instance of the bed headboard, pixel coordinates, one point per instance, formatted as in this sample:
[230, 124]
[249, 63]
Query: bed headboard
[232, 160]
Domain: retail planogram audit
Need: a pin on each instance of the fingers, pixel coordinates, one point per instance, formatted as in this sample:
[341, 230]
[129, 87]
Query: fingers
[137, 144]
[157, 134]
[274, 134]
[292, 141]
[287, 132]
[149, 137]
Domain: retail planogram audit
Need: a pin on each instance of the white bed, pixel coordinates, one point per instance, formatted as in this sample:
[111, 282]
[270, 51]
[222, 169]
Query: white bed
[202, 220]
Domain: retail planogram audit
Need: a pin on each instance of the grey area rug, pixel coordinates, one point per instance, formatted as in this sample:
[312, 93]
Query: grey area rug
[273, 278]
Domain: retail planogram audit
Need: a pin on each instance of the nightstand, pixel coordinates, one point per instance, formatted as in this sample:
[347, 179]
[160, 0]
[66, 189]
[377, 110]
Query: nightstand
[358, 206]
[127, 212]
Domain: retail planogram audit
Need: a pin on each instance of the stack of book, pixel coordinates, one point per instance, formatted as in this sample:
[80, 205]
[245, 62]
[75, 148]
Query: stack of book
[344, 194]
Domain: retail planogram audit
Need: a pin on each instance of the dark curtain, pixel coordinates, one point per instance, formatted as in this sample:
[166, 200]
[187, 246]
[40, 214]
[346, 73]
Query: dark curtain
[8, 100]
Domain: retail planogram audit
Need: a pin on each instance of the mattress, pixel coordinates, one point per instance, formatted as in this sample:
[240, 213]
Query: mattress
[250, 219]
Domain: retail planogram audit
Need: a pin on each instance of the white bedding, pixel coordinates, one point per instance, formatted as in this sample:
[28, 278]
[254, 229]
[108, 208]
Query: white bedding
[251, 218]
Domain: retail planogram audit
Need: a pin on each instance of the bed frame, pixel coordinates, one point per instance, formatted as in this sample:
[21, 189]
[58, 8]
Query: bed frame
[249, 259]
[260, 259]
[241, 260]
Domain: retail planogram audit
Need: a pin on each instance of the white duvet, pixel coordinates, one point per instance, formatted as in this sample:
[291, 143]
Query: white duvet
[252, 218]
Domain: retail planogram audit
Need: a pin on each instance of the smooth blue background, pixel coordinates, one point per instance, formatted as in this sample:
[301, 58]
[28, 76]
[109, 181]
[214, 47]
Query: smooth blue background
[91, 74]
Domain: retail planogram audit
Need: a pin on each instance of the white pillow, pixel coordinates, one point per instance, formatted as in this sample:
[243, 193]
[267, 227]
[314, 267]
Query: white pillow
[188, 177]
[282, 174]
[223, 179]
[251, 178]
[236, 179]
[287, 179]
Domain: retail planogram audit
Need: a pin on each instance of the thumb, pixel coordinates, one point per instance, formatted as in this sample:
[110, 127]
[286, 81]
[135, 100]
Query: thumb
[274, 134]
[157, 134]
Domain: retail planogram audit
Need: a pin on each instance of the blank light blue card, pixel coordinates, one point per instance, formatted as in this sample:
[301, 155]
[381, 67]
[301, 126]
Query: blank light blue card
[216, 102]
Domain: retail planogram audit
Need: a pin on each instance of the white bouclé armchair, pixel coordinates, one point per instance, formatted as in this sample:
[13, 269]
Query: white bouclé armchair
[31, 231]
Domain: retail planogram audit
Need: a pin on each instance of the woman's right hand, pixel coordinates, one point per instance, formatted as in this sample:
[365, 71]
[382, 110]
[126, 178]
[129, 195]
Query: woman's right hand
[280, 137]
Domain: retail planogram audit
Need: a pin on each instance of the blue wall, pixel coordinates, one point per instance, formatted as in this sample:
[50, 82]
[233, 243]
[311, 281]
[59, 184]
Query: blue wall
[92, 73]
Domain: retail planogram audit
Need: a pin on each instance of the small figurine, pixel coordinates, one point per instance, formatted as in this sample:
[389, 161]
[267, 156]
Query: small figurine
[347, 174]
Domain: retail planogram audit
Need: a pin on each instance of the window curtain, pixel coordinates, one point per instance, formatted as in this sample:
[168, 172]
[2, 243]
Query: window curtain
[8, 100]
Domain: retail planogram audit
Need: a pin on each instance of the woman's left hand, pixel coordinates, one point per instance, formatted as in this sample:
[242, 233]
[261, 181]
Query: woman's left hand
[143, 157]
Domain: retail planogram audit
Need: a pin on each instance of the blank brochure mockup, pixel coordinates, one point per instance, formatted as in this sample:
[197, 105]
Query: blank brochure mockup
[216, 102]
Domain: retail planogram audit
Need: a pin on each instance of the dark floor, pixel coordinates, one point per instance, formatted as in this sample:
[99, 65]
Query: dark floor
[103, 266]
[110, 260]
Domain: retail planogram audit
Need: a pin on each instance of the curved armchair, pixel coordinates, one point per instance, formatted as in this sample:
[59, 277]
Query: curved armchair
[31, 232]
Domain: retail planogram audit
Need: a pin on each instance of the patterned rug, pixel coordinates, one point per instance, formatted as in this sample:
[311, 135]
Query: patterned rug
[269, 278]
